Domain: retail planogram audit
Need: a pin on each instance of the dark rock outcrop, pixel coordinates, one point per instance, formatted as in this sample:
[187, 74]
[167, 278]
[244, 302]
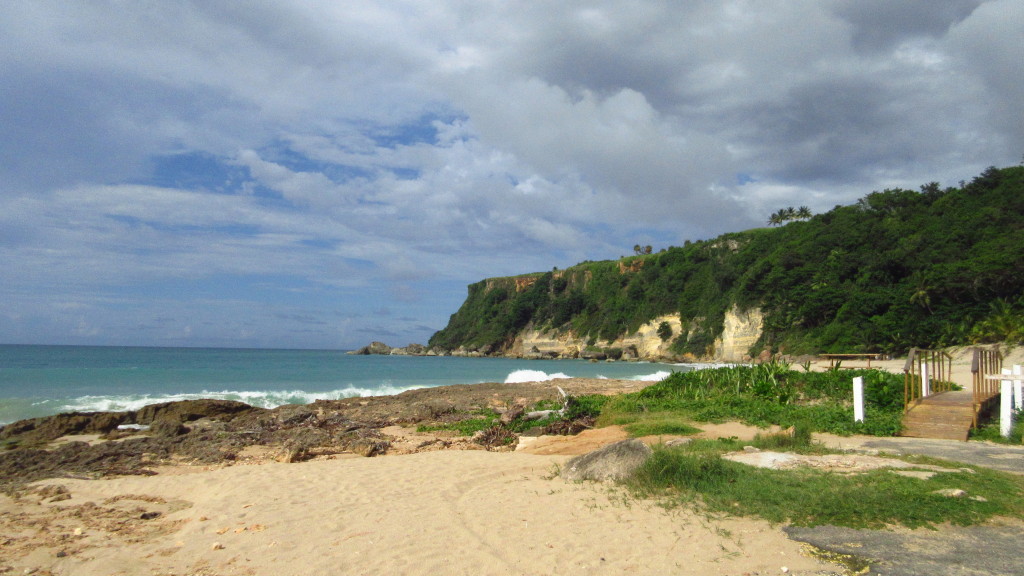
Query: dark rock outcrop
[48, 428]
[189, 410]
[373, 348]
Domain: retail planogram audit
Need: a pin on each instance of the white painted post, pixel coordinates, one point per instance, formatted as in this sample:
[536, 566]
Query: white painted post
[1005, 408]
[858, 399]
[926, 385]
[1018, 402]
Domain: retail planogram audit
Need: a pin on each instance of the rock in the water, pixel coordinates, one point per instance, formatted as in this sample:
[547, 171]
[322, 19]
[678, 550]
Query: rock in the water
[410, 350]
[613, 462]
[373, 348]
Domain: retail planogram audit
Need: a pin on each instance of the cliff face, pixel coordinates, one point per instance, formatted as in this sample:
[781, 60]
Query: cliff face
[644, 344]
[742, 330]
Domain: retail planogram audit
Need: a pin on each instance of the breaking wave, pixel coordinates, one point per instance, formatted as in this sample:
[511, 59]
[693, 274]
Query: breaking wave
[260, 399]
[656, 377]
[533, 376]
[541, 376]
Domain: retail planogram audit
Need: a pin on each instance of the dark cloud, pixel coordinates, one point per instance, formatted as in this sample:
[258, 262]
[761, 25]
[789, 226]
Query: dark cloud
[881, 25]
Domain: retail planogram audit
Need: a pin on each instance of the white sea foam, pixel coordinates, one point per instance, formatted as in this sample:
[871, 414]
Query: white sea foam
[533, 376]
[541, 376]
[261, 399]
[707, 365]
[656, 377]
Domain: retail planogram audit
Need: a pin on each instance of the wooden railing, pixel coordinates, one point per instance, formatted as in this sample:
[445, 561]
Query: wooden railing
[985, 362]
[937, 363]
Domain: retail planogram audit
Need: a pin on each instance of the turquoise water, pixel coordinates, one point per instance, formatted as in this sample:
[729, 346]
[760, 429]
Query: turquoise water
[44, 380]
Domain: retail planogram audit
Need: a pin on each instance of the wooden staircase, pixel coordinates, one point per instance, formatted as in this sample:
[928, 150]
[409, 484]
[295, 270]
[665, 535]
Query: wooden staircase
[947, 415]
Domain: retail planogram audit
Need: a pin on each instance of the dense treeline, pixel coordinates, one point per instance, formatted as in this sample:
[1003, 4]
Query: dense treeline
[898, 269]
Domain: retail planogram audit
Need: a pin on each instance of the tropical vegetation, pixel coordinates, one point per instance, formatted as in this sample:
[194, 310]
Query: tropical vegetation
[898, 269]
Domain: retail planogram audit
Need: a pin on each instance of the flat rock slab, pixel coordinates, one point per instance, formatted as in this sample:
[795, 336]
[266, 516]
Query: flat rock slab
[990, 550]
[773, 460]
[852, 463]
[1008, 458]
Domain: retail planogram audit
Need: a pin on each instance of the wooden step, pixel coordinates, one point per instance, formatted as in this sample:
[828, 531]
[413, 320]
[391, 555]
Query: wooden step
[937, 431]
[949, 415]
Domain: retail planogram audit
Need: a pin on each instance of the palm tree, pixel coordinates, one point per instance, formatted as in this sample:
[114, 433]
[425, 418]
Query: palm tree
[922, 288]
[803, 212]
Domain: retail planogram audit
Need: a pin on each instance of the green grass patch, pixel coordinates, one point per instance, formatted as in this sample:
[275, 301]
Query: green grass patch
[466, 427]
[989, 431]
[649, 423]
[768, 394]
[696, 474]
[585, 405]
[485, 419]
[665, 423]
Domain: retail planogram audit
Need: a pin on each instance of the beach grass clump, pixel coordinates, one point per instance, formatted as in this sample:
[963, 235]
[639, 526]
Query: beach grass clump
[767, 394]
[660, 427]
[586, 405]
[495, 436]
[660, 423]
[573, 409]
[989, 432]
[697, 475]
[468, 426]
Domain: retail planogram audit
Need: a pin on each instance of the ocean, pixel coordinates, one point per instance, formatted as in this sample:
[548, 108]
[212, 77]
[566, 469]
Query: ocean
[46, 380]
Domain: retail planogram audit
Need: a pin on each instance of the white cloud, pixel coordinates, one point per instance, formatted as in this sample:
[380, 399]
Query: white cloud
[385, 145]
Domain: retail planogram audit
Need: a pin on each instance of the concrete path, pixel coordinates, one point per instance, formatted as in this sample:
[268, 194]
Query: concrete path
[1008, 458]
[987, 550]
[992, 549]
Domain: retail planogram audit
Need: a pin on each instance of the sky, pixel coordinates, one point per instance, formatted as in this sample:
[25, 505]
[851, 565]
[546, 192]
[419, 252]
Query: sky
[322, 174]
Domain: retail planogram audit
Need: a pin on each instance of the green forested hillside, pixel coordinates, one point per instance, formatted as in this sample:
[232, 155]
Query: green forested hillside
[899, 268]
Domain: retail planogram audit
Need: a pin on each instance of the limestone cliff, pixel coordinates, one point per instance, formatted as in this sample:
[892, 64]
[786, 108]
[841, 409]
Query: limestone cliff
[644, 344]
[741, 330]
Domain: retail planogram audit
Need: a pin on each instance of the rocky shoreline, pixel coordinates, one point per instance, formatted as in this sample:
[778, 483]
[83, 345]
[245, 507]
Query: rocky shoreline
[221, 432]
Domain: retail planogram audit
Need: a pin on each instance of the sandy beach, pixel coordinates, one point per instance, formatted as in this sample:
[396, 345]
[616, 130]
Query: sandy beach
[446, 512]
[453, 511]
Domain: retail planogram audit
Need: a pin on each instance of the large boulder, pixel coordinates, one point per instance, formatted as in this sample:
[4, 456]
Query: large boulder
[613, 462]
